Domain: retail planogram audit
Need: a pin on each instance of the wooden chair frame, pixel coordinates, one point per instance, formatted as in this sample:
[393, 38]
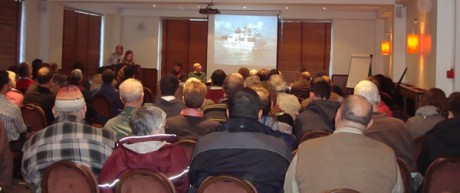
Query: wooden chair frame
[246, 185]
[33, 107]
[66, 163]
[163, 180]
[433, 166]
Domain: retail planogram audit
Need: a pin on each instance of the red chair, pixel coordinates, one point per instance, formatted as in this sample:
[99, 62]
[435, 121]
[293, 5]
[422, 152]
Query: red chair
[188, 145]
[144, 181]
[68, 177]
[443, 175]
[405, 175]
[226, 184]
[418, 146]
[34, 117]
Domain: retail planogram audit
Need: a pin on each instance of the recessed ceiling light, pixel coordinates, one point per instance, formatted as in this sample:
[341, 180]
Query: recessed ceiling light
[154, 5]
[198, 6]
[286, 8]
[244, 7]
[324, 8]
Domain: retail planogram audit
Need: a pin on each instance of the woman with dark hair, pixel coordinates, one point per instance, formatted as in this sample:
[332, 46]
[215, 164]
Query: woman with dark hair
[431, 111]
[128, 58]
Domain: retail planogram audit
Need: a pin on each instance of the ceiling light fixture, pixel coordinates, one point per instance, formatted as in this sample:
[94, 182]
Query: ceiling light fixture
[154, 5]
[286, 8]
[244, 7]
[324, 8]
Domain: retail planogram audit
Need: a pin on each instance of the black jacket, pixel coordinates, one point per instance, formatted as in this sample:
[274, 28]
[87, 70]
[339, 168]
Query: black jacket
[243, 148]
[318, 115]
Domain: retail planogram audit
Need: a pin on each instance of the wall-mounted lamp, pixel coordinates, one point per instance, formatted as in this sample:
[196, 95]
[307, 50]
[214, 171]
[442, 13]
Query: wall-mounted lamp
[413, 41]
[385, 46]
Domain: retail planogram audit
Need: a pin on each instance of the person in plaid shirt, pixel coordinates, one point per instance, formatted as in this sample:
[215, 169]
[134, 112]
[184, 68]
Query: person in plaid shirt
[69, 138]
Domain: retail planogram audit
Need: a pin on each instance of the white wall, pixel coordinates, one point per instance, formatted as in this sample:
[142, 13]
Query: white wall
[143, 41]
[351, 37]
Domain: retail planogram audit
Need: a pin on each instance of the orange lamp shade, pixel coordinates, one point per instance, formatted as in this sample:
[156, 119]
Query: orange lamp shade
[385, 48]
[412, 43]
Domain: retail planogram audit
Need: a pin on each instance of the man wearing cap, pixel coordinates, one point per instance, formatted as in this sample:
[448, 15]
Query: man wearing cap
[69, 138]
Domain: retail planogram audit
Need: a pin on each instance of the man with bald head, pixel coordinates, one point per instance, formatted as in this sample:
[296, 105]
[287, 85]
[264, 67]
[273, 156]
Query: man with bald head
[388, 130]
[43, 93]
[346, 158]
[301, 87]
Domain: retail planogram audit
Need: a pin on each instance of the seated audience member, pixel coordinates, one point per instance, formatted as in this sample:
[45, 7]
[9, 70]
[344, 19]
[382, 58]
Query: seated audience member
[287, 102]
[132, 96]
[198, 73]
[232, 83]
[431, 112]
[96, 81]
[244, 72]
[345, 159]
[60, 80]
[252, 81]
[388, 130]
[13, 95]
[253, 72]
[382, 106]
[442, 140]
[108, 90]
[333, 97]
[177, 72]
[270, 121]
[36, 65]
[242, 147]
[43, 93]
[215, 91]
[319, 114]
[25, 72]
[150, 150]
[168, 102]
[11, 116]
[263, 74]
[301, 87]
[76, 79]
[191, 122]
[115, 57]
[69, 138]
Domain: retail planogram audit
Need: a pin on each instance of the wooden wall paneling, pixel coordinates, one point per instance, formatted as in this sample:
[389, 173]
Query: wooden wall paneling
[289, 49]
[10, 19]
[177, 44]
[69, 40]
[94, 43]
[82, 38]
[149, 79]
[327, 49]
[164, 46]
[198, 43]
[313, 46]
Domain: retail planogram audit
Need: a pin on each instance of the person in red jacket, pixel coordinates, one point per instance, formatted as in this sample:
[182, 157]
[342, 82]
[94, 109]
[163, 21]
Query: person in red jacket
[150, 149]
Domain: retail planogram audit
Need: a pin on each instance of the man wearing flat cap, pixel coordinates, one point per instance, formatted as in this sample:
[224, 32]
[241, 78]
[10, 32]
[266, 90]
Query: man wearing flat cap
[68, 138]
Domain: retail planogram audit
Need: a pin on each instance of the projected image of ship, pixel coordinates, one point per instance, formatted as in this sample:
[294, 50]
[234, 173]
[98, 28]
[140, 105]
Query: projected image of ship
[244, 38]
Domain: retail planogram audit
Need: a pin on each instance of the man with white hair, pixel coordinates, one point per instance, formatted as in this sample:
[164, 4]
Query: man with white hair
[132, 96]
[288, 102]
[198, 73]
[388, 130]
[150, 149]
[69, 138]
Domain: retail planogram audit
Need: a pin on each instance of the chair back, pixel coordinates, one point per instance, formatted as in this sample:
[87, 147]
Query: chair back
[442, 176]
[188, 145]
[144, 181]
[69, 177]
[148, 95]
[226, 184]
[216, 112]
[313, 134]
[342, 190]
[103, 108]
[405, 175]
[6, 165]
[34, 117]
